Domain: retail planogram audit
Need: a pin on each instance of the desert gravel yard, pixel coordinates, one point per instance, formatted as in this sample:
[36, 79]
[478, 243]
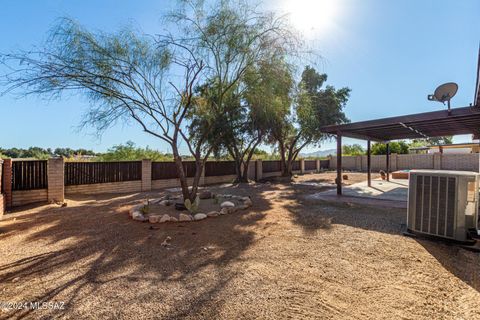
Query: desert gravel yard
[285, 257]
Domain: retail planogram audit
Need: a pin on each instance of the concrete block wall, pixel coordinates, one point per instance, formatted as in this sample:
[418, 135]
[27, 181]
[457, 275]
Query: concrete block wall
[110, 187]
[168, 183]
[272, 174]
[259, 169]
[24, 197]
[220, 179]
[56, 190]
[437, 161]
[417, 161]
[251, 169]
[466, 162]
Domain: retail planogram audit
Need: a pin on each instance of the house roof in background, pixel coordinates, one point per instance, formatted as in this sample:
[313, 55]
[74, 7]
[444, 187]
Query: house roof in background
[447, 146]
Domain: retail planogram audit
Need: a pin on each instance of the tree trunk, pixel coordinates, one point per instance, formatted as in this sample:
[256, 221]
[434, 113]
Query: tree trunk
[238, 168]
[199, 165]
[283, 164]
[181, 175]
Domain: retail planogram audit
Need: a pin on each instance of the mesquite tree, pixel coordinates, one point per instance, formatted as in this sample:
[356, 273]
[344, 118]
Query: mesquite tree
[151, 80]
[247, 112]
[314, 106]
[126, 77]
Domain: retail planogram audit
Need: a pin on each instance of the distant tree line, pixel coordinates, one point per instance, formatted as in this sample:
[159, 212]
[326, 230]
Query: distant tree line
[42, 153]
[121, 152]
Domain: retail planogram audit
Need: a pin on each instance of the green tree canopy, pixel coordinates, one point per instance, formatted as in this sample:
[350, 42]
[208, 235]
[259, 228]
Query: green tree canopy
[399, 147]
[353, 150]
[129, 151]
[315, 105]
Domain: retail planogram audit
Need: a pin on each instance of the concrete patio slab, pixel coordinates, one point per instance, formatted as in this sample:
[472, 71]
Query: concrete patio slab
[391, 193]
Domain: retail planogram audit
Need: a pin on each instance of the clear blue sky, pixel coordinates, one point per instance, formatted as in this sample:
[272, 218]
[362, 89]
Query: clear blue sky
[390, 53]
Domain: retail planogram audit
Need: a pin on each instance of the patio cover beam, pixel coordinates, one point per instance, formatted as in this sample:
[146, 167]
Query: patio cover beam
[339, 164]
[465, 120]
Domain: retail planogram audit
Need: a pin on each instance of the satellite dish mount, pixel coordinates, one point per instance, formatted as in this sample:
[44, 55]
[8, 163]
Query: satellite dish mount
[444, 93]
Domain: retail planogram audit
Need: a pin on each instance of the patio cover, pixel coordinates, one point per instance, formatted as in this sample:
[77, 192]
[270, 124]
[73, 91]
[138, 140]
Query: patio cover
[464, 120]
[456, 121]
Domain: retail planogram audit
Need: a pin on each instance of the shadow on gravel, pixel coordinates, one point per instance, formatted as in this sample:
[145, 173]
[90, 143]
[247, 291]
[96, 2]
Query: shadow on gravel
[313, 215]
[110, 248]
[462, 263]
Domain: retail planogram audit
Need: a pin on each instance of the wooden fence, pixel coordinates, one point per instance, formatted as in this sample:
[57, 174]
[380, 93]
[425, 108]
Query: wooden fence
[32, 174]
[310, 164]
[296, 165]
[220, 168]
[29, 175]
[77, 173]
[168, 170]
[325, 164]
[271, 166]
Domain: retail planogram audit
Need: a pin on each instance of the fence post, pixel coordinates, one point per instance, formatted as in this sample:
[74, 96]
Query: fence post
[259, 169]
[56, 180]
[7, 182]
[318, 165]
[331, 163]
[146, 175]
[302, 165]
[251, 173]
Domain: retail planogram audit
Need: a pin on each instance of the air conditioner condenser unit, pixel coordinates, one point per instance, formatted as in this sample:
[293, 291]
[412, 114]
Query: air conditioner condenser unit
[443, 203]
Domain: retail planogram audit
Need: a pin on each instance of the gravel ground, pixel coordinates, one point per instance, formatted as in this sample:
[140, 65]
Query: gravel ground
[287, 257]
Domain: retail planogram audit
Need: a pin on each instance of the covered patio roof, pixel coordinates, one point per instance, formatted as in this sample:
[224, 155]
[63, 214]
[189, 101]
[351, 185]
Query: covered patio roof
[464, 120]
[451, 122]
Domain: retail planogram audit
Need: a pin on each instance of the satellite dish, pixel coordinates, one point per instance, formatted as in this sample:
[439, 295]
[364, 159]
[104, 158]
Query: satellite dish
[444, 93]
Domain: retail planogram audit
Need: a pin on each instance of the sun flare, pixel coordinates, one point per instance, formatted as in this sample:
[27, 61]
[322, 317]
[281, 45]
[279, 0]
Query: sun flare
[312, 17]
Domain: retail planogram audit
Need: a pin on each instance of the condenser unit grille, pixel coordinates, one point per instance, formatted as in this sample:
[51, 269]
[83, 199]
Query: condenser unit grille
[435, 205]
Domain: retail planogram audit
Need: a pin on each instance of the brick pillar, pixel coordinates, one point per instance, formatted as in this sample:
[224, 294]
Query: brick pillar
[437, 161]
[318, 165]
[302, 165]
[251, 172]
[332, 164]
[7, 182]
[259, 168]
[55, 176]
[146, 175]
